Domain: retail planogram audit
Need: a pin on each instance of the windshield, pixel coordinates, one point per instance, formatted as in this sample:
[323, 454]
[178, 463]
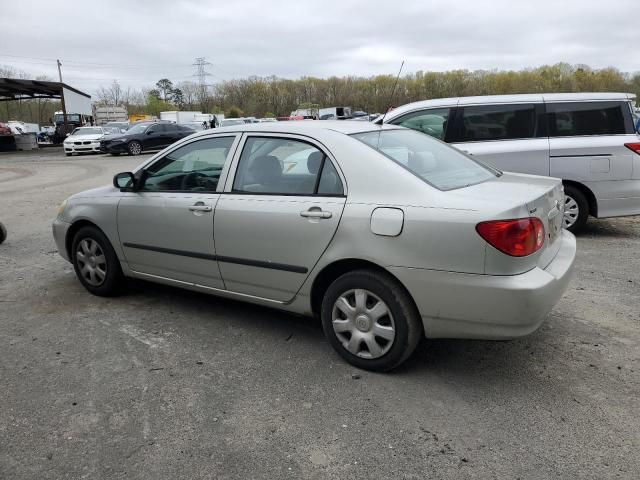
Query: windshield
[137, 129]
[87, 131]
[71, 118]
[434, 162]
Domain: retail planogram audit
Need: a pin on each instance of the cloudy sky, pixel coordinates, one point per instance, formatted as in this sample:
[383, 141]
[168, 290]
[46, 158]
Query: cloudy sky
[138, 42]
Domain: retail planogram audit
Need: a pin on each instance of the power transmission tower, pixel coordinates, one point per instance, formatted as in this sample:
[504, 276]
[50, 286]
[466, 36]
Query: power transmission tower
[201, 73]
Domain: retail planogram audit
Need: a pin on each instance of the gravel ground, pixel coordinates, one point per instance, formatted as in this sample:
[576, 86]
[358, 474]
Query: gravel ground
[164, 383]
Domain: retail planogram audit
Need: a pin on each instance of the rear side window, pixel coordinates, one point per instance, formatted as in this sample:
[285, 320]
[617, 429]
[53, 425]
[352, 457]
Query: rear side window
[589, 118]
[495, 122]
[433, 122]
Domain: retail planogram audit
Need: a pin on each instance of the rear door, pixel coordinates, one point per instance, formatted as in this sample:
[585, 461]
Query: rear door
[280, 209]
[154, 137]
[511, 137]
[587, 145]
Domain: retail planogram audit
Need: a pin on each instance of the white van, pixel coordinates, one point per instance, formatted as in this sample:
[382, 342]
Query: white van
[589, 140]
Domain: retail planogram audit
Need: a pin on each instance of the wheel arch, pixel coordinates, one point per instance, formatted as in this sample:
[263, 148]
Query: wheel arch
[74, 228]
[335, 269]
[588, 194]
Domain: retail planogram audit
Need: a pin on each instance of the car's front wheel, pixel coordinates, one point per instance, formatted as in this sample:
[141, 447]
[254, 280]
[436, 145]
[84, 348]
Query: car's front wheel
[370, 320]
[135, 148]
[3, 233]
[96, 263]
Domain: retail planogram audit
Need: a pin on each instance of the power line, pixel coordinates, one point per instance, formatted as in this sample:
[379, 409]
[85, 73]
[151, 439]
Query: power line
[79, 63]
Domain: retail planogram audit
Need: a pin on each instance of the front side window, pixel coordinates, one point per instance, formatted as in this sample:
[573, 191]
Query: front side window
[589, 118]
[432, 122]
[195, 167]
[285, 166]
[434, 162]
[495, 122]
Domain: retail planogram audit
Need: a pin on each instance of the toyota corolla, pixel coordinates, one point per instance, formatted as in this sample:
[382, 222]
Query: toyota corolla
[385, 234]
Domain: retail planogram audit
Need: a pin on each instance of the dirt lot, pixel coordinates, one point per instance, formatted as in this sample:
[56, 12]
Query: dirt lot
[164, 383]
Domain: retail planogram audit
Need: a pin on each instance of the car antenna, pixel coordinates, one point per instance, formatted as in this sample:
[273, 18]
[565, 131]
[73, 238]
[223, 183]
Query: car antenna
[393, 90]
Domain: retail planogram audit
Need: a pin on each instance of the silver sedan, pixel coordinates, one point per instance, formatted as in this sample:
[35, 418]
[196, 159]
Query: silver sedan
[383, 233]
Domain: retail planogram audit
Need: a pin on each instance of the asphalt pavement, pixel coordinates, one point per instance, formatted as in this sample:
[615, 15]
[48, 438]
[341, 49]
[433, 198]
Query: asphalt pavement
[162, 383]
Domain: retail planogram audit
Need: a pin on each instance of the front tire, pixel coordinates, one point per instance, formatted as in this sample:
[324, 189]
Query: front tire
[576, 209]
[134, 148]
[370, 320]
[96, 263]
[3, 233]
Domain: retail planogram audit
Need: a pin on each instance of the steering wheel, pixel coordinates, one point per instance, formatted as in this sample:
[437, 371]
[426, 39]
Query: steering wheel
[194, 180]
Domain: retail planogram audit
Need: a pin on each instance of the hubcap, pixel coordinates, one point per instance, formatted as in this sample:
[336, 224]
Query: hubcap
[571, 212]
[91, 262]
[363, 323]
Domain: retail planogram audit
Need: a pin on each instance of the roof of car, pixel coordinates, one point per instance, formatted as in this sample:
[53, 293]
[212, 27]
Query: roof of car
[519, 98]
[301, 126]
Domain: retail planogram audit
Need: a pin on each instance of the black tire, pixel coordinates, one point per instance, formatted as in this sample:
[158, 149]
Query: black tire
[68, 154]
[113, 281]
[406, 319]
[3, 233]
[134, 148]
[572, 193]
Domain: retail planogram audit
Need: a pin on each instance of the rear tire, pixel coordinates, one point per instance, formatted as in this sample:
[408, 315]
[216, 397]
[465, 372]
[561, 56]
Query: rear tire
[134, 148]
[370, 320]
[576, 209]
[96, 263]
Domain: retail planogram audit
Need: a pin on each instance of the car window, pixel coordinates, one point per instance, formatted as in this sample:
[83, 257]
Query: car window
[589, 118]
[434, 162]
[284, 166]
[194, 167]
[432, 122]
[495, 122]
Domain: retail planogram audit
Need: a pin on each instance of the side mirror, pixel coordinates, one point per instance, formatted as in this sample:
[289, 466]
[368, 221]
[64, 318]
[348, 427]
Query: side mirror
[149, 132]
[124, 180]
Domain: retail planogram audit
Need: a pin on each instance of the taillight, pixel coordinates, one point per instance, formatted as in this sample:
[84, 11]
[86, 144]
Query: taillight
[518, 237]
[634, 147]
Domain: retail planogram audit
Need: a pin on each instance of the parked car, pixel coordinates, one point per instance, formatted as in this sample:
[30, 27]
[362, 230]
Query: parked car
[586, 139]
[4, 129]
[228, 122]
[387, 236]
[84, 140]
[144, 137]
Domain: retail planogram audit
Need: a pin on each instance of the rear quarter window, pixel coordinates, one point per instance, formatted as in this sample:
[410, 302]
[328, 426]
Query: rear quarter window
[588, 118]
[481, 123]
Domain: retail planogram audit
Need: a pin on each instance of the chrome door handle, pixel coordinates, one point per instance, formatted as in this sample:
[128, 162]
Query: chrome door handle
[315, 214]
[200, 208]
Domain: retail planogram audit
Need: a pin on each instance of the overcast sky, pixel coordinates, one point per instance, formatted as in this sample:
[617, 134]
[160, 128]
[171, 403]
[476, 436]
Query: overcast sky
[138, 42]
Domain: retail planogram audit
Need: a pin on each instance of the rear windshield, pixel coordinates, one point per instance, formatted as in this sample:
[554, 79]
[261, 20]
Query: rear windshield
[434, 162]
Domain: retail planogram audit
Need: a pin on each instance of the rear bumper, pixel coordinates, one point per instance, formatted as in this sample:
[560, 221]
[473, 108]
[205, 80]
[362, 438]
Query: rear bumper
[60, 230]
[459, 305]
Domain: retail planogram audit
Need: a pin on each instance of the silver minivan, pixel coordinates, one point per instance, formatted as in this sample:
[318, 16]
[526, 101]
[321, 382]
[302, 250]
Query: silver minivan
[589, 140]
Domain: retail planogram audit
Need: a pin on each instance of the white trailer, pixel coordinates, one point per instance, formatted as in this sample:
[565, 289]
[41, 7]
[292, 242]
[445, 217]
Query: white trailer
[104, 115]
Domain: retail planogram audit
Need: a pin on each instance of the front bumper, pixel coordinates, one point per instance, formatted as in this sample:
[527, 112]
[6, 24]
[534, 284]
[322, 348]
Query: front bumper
[60, 230]
[459, 305]
[92, 147]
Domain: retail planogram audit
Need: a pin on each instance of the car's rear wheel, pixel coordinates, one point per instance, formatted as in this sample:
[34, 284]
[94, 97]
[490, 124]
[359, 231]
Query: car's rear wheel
[135, 148]
[576, 209]
[370, 320]
[96, 263]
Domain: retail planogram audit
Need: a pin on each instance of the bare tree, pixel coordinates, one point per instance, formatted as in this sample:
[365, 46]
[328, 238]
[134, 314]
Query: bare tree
[111, 95]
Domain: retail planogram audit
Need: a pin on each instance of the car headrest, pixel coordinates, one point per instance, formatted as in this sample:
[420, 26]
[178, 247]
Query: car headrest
[314, 160]
[265, 168]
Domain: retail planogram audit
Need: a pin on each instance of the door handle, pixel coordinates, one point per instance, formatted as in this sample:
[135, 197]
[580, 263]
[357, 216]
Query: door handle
[200, 207]
[315, 214]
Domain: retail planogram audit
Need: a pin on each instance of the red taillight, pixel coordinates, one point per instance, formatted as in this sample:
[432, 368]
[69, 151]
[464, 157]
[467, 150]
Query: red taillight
[519, 237]
[634, 147]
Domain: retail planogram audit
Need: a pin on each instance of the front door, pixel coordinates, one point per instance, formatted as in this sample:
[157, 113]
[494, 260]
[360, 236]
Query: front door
[277, 215]
[154, 137]
[166, 227]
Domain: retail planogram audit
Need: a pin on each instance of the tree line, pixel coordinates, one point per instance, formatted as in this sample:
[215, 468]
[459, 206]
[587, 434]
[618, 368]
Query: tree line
[274, 96]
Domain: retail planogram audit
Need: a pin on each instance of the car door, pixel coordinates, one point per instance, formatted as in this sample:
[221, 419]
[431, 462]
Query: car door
[154, 137]
[166, 227]
[173, 133]
[279, 211]
[587, 142]
[511, 137]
